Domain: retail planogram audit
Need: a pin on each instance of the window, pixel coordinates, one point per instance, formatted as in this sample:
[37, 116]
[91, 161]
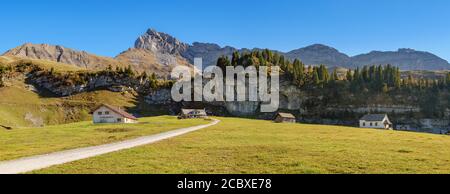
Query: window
[106, 112]
[119, 120]
[364, 124]
[371, 124]
[100, 113]
[376, 124]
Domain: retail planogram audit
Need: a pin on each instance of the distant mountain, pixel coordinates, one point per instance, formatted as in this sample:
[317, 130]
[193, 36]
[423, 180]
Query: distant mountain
[159, 52]
[406, 59]
[319, 54]
[208, 52]
[154, 58]
[159, 42]
[61, 54]
[156, 52]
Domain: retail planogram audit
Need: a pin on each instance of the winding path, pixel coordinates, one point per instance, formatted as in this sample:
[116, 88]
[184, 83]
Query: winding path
[28, 164]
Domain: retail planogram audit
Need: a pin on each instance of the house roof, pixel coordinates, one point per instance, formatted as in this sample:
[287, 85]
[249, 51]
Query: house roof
[373, 117]
[192, 111]
[118, 111]
[286, 115]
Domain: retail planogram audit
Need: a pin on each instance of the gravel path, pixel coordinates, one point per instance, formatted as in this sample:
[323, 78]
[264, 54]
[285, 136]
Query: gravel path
[28, 164]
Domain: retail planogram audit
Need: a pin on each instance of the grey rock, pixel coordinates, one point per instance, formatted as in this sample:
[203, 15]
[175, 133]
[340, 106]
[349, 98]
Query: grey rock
[160, 42]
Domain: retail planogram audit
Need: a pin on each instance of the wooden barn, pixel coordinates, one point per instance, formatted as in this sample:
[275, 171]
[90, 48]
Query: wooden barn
[285, 118]
[192, 114]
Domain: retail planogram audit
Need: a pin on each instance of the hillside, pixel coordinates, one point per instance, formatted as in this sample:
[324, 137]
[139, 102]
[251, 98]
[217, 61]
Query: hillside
[24, 105]
[245, 146]
[61, 54]
[159, 63]
[406, 59]
[320, 54]
[140, 59]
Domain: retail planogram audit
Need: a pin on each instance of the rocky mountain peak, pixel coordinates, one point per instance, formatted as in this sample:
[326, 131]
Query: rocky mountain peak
[159, 42]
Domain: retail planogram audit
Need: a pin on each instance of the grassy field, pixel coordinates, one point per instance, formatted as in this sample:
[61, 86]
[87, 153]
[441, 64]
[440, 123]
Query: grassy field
[252, 146]
[33, 141]
[20, 107]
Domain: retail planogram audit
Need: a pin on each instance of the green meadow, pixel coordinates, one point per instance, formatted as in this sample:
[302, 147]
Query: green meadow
[254, 146]
[21, 142]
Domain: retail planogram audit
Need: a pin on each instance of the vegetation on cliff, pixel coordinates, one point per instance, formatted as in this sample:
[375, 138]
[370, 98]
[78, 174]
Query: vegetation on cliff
[370, 85]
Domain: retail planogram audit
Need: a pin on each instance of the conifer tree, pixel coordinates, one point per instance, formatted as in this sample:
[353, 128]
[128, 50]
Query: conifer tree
[235, 58]
[349, 75]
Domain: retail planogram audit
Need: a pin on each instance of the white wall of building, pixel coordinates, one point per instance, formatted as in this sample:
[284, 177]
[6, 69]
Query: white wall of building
[105, 115]
[372, 124]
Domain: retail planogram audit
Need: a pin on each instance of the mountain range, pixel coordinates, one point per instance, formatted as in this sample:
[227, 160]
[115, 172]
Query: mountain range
[159, 52]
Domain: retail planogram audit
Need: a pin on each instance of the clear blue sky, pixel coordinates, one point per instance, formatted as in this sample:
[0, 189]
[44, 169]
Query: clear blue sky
[107, 27]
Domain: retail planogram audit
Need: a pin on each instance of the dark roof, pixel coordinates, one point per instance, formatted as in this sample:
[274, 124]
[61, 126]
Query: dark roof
[286, 115]
[373, 117]
[201, 112]
[118, 111]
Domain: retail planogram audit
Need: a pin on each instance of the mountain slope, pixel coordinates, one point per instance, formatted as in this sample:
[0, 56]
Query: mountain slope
[159, 63]
[140, 59]
[406, 59]
[61, 54]
[320, 54]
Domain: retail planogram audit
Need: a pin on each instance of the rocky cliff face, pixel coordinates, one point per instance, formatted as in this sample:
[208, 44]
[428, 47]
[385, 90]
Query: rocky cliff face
[92, 82]
[156, 52]
[159, 42]
[153, 62]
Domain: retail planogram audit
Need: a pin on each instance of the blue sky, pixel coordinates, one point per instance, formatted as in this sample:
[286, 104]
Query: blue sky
[107, 27]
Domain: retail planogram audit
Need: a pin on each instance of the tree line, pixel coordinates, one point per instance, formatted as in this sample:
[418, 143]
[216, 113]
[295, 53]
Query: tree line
[379, 78]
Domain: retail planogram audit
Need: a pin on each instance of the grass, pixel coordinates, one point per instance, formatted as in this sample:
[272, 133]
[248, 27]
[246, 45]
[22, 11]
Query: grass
[46, 64]
[23, 142]
[16, 102]
[253, 146]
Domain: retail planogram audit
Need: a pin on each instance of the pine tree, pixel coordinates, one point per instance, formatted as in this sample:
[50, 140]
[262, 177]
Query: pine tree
[235, 58]
[298, 71]
[316, 80]
[365, 74]
[335, 76]
[144, 75]
[349, 75]
[153, 76]
[129, 71]
[323, 74]
[397, 78]
[223, 62]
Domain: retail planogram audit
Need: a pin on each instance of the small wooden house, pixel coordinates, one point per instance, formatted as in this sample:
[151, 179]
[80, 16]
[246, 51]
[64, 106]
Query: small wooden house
[285, 118]
[109, 114]
[192, 113]
[376, 121]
